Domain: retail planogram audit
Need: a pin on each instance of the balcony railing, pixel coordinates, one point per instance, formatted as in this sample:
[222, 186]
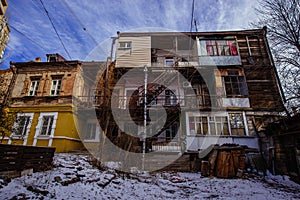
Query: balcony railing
[123, 102]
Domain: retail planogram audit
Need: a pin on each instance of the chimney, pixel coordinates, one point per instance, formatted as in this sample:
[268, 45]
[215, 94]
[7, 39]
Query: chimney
[295, 112]
[38, 59]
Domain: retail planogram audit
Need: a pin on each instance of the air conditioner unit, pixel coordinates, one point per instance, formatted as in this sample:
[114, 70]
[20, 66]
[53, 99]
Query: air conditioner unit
[186, 84]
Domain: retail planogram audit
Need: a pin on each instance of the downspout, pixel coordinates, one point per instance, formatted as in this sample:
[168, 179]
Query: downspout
[11, 84]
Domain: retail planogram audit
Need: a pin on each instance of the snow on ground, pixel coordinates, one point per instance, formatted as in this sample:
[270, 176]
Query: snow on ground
[73, 177]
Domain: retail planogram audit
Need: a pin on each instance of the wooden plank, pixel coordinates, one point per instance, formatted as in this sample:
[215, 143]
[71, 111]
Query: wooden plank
[212, 161]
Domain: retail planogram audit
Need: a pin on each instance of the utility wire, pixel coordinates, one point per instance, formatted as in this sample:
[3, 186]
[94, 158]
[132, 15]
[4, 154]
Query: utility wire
[192, 18]
[34, 42]
[191, 28]
[55, 29]
[78, 20]
[195, 23]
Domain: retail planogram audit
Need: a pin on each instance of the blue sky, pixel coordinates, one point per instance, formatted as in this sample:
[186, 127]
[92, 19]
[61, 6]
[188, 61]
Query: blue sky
[86, 26]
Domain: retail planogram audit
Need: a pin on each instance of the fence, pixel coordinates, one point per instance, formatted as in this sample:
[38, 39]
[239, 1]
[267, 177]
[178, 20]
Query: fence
[18, 158]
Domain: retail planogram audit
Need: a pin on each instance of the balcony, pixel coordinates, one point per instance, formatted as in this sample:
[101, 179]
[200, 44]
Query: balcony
[219, 60]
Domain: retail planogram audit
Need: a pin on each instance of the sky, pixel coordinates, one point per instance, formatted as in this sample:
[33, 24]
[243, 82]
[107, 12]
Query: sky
[84, 28]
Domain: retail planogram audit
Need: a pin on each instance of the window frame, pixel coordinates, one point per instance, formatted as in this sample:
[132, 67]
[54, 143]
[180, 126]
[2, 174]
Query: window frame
[217, 48]
[47, 122]
[96, 131]
[243, 121]
[169, 62]
[56, 91]
[210, 120]
[125, 45]
[25, 129]
[170, 97]
[41, 121]
[192, 126]
[237, 82]
[33, 86]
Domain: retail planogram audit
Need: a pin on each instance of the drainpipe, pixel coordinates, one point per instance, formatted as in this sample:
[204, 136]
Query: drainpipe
[144, 136]
[11, 85]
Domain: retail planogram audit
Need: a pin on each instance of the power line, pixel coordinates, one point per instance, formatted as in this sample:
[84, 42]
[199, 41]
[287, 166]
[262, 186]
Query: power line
[78, 20]
[195, 23]
[34, 42]
[55, 29]
[192, 18]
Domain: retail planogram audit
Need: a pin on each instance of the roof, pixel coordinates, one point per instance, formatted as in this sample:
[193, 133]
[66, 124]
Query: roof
[236, 32]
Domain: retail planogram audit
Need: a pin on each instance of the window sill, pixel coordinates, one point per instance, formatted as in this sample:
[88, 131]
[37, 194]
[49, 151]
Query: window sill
[124, 48]
[223, 136]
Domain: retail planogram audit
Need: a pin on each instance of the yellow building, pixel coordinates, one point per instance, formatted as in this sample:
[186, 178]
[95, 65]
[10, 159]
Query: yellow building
[44, 96]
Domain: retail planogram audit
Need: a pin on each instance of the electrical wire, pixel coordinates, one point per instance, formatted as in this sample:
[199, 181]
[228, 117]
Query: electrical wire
[55, 29]
[78, 20]
[34, 42]
[192, 18]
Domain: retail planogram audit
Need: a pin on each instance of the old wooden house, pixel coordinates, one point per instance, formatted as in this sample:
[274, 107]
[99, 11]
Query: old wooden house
[181, 92]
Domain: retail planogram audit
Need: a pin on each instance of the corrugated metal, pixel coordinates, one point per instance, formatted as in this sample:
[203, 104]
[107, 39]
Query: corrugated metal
[137, 56]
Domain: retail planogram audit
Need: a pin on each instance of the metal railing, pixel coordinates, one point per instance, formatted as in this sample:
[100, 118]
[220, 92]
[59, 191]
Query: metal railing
[123, 102]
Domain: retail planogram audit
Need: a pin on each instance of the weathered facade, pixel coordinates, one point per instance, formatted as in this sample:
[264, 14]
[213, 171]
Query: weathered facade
[43, 94]
[5, 81]
[282, 146]
[215, 87]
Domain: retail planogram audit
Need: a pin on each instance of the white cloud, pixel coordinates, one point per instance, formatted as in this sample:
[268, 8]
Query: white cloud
[82, 25]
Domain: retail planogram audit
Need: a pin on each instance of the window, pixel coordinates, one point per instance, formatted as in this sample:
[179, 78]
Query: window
[52, 58]
[219, 48]
[55, 88]
[237, 123]
[169, 61]
[219, 125]
[34, 85]
[125, 45]
[170, 97]
[235, 84]
[22, 124]
[209, 125]
[198, 125]
[47, 125]
[91, 131]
